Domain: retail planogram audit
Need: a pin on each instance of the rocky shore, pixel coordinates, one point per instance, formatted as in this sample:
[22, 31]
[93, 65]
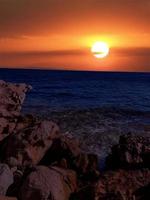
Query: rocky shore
[39, 161]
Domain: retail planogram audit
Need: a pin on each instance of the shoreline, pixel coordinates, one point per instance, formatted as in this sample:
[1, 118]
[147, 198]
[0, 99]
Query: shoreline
[98, 129]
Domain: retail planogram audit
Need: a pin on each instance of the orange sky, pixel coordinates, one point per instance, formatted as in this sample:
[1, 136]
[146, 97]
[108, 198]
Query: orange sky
[58, 34]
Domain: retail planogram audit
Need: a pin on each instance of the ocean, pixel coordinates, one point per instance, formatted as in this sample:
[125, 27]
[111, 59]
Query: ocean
[61, 90]
[96, 107]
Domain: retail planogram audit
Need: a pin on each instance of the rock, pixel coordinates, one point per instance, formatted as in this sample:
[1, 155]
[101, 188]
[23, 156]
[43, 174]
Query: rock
[14, 189]
[24, 122]
[11, 100]
[49, 184]
[64, 147]
[121, 184]
[30, 144]
[86, 166]
[66, 152]
[7, 198]
[131, 152]
[6, 178]
[143, 193]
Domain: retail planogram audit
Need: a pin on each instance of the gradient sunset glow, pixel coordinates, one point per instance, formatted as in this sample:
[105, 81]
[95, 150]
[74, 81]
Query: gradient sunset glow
[59, 34]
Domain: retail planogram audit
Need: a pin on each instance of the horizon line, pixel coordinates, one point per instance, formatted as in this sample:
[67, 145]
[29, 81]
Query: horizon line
[69, 70]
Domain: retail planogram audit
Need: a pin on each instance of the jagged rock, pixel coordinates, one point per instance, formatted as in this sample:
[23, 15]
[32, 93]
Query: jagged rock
[49, 184]
[131, 152]
[6, 178]
[28, 146]
[86, 166]
[14, 189]
[66, 152]
[11, 99]
[24, 122]
[121, 184]
[64, 147]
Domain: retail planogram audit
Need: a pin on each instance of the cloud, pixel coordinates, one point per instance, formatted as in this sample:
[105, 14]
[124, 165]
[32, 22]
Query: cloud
[30, 17]
[132, 59]
[132, 52]
[71, 52]
[129, 59]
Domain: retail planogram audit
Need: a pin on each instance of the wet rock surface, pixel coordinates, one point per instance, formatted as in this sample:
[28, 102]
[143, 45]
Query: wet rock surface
[40, 162]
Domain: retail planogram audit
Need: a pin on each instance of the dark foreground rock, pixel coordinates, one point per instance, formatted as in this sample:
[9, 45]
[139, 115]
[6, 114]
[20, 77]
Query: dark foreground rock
[66, 152]
[131, 152]
[51, 183]
[30, 144]
[63, 147]
[121, 184]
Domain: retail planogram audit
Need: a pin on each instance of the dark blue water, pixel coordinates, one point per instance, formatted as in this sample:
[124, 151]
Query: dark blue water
[55, 90]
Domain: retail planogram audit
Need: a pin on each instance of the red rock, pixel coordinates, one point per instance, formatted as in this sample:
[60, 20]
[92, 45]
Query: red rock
[121, 184]
[87, 166]
[30, 144]
[64, 147]
[65, 152]
[24, 122]
[11, 100]
[6, 178]
[131, 152]
[49, 183]
[14, 189]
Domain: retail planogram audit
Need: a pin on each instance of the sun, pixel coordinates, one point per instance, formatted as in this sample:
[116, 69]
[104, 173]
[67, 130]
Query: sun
[100, 49]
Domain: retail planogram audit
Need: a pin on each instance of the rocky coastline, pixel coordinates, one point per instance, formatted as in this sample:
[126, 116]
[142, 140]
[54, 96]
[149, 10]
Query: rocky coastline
[39, 161]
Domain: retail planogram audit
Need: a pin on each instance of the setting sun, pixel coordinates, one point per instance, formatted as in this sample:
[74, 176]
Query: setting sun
[100, 49]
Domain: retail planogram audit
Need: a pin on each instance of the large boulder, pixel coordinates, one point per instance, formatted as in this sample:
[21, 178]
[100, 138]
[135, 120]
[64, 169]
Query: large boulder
[131, 152]
[49, 183]
[66, 152]
[6, 178]
[28, 146]
[11, 100]
[121, 184]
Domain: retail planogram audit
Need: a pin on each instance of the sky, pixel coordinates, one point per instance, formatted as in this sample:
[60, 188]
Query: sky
[58, 34]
